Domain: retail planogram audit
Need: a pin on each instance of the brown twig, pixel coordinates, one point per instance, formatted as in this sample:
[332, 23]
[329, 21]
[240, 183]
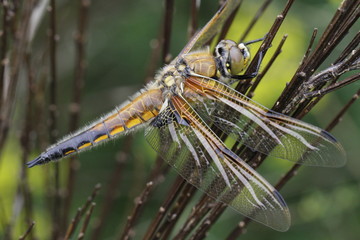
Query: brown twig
[260, 76]
[244, 86]
[128, 232]
[200, 210]
[169, 9]
[4, 46]
[342, 21]
[341, 113]
[112, 184]
[25, 142]
[86, 221]
[193, 23]
[355, 42]
[18, 23]
[239, 229]
[78, 84]
[169, 200]
[335, 86]
[207, 223]
[28, 231]
[80, 212]
[56, 208]
[256, 17]
[228, 22]
[175, 212]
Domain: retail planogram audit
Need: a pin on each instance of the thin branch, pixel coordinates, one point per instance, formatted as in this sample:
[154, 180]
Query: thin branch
[355, 42]
[253, 21]
[171, 197]
[228, 22]
[4, 46]
[80, 212]
[25, 142]
[169, 9]
[260, 76]
[341, 113]
[309, 48]
[174, 214]
[28, 231]
[53, 37]
[342, 21]
[244, 85]
[75, 105]
[112, 184]
[208, 222]
[86, 221]
[193, 23]
[201, 209]
[334, 86]
[239, 229]
[133, 217]
[19, 23]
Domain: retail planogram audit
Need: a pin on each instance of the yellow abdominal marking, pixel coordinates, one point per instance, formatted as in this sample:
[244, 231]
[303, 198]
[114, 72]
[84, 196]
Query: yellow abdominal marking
[117, 130]
[103, 137]
[68, 152]
[84, 145]
[133, 122]
[148, 115]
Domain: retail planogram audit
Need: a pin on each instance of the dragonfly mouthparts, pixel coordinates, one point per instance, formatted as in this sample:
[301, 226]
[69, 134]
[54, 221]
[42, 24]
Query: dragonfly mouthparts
[38, 161]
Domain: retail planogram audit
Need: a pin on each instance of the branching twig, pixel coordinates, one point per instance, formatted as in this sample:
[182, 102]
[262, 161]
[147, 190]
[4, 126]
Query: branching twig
[212, 217]
[139, 203]
[80, 212]
[244, 86]
[174, 214]
[342, 21]
[201, 209]
[334, 86]
[266, 68]
[240, 228]
[86, 221]
[171, 197]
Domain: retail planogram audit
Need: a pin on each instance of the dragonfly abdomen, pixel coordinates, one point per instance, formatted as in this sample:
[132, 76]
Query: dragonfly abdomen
[133, 114]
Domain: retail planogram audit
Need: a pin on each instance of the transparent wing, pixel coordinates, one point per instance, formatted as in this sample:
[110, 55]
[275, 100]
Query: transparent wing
[261, 129]
[217, 171]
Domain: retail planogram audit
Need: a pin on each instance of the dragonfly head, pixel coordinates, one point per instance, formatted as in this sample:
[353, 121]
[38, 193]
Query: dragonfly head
[232, 58]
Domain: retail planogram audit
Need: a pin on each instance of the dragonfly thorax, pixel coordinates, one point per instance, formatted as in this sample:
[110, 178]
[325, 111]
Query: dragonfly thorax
[171, 81]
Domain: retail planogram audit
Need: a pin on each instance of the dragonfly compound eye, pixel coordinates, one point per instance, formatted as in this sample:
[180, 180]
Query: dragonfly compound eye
[232, 58]
[237, 61]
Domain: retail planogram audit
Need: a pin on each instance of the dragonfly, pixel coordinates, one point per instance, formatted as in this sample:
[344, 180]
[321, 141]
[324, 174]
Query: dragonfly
[177, 110]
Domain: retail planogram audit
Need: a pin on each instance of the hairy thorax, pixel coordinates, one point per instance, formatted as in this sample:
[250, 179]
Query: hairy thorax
[171, 78]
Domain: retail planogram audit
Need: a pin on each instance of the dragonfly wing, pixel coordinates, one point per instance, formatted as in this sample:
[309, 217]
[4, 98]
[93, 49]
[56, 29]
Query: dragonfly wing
[218, 172]
[261, 129]
[212, 27]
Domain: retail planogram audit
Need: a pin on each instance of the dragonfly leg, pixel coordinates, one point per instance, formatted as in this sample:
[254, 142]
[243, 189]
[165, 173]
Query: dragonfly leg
[251, 75]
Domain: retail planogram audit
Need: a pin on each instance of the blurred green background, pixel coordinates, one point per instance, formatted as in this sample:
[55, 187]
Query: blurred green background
[324, 202]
